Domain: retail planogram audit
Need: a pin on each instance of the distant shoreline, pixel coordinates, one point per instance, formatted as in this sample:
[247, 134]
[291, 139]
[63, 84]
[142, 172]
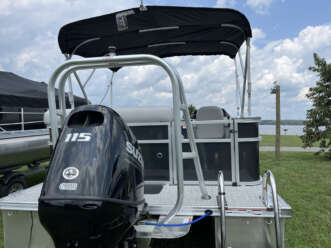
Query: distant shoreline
[283, 122]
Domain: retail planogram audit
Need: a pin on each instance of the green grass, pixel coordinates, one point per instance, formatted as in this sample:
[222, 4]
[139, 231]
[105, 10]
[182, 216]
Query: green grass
[304, 181]
[285, 140]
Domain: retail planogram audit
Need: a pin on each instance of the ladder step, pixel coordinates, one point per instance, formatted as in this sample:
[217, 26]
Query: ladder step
[189, 155]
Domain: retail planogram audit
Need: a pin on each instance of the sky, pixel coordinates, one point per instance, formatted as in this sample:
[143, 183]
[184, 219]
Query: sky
[286, 33]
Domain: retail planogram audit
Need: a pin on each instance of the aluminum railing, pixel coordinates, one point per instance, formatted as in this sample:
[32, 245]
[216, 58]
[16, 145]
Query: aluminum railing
[221, 201]
[63, 72]
[268, 175]
[22, 123]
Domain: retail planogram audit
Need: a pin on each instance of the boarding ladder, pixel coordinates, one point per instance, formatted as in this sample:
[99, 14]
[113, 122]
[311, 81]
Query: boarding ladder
[274, 205]
[194, 154]
[191, 137]
[220, 221]
[220, 224]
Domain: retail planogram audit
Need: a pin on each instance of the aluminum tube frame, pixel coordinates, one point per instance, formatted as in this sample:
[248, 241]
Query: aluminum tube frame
[82, 44]
[81, 87]
[221, 201]
[75, 69]
[22, 119]
[111, 88]
[245, 80]
[89, 78]
[268, 175]
[249, 88]
[84, 67]
[134, 59]
[238, 96]
[71, 94]
[63, 81]
[241, 62]
[193, 146]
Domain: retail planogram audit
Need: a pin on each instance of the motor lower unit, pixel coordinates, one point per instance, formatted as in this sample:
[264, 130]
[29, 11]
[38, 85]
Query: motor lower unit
[95, 182]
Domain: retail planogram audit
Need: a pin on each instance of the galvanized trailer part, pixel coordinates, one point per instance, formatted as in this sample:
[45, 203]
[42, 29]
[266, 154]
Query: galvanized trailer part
[23, 147]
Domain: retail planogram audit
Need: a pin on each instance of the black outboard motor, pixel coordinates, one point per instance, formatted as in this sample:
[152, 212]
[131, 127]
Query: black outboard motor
[95, 182]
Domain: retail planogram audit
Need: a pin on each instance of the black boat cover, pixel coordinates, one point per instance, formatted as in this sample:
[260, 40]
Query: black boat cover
[16, 91]
[158, 30]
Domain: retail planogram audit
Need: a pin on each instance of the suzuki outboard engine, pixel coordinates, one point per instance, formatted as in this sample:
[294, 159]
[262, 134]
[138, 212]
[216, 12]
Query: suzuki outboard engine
[95, 183]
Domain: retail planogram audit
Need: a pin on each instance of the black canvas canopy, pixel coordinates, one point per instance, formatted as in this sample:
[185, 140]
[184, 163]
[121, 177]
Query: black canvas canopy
[158, 30]
[16, 91]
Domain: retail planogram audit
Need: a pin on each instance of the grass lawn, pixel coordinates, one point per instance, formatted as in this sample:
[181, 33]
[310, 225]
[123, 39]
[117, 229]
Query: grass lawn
[285, 140]
[304, 181]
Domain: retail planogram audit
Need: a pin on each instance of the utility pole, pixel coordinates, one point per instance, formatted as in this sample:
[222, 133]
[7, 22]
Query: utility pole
[276, 90]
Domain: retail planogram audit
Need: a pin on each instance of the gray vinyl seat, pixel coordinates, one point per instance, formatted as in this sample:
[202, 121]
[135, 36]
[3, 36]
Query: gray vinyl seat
[210, 131]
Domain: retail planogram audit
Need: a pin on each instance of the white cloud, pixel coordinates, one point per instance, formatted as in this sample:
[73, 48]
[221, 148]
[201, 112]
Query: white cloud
[225, 3]
[287, 61]
[309, 39]
[260, 6]
[258, 34]
[31, 50]
[302, 94]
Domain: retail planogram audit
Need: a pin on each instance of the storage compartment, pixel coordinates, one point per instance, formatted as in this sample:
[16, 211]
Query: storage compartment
[156, 161]
[248, 130]
[213, 157]
[249, 161]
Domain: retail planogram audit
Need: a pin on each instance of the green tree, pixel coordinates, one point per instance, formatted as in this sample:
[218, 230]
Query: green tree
[318, 124]
[191, 109]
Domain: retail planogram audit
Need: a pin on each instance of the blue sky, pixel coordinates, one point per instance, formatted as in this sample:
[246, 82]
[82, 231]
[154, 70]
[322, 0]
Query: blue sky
[285, 35]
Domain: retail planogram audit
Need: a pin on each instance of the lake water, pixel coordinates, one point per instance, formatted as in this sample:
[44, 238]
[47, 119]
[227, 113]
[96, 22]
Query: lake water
[290, 129]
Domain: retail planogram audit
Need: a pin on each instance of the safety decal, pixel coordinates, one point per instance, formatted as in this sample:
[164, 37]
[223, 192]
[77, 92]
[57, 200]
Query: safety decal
[70, 173]
[68, 186]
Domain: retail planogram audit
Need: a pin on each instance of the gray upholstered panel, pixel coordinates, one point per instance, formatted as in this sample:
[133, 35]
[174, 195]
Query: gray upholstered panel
[210, 131]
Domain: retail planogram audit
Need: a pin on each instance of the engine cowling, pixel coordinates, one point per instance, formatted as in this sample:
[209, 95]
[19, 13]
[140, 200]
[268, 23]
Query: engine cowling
[95, 182]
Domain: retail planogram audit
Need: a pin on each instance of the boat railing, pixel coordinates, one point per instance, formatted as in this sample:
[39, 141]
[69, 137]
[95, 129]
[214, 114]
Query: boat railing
[275, 205]
[21, 114]
[220, 225]
[63, 72]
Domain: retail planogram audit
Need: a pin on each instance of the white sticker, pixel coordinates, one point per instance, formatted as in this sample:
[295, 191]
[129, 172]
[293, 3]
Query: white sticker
[122, 20]
[70, 173]
[68, 186]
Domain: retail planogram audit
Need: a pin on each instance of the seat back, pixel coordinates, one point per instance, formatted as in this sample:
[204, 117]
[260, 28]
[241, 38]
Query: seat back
[209, 131]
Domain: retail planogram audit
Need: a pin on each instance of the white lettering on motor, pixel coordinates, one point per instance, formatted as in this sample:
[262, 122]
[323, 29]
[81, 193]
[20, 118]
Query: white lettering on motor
[134, 152]
[78, 137]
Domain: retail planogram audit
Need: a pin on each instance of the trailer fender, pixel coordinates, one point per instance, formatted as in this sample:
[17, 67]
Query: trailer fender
[9, 176]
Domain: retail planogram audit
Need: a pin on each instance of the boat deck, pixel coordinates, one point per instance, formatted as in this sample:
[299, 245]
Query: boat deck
[241, 201]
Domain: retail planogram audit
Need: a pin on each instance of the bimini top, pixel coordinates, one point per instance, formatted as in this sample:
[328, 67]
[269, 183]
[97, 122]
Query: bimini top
[158, 30]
